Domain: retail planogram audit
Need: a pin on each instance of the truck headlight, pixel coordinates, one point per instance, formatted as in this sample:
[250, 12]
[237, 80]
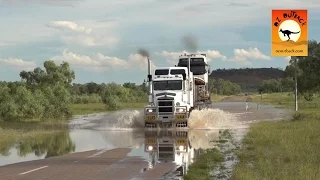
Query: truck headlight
[181, 148]
[177, 104]
[181, 110]
[150, 110]
[150, 148]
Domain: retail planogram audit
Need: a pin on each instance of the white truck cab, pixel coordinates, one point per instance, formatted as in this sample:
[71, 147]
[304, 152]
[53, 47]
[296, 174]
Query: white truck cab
[171, 98]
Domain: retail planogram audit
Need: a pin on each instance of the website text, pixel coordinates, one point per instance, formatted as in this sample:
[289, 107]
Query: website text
[288, 51]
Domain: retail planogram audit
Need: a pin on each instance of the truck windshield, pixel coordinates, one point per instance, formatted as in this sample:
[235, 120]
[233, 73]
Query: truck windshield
[167, 85]
[198, 70]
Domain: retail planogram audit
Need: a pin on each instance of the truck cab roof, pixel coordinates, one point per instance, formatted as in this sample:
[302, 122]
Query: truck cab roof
[161, 71]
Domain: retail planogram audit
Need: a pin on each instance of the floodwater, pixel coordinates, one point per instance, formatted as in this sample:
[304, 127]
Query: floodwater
[125, 129]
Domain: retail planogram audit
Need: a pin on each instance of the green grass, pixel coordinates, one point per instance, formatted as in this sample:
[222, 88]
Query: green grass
[81, 109]
[282, 150]
[204, 164]
[286, 100]
[217, 97]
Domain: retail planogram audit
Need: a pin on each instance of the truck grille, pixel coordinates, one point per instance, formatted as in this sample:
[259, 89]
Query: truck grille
[165, 109]
[165, 103]
[165, 106]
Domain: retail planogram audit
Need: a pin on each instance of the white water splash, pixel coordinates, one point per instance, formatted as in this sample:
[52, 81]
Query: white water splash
[203, 139]
[123, 120]
[211, 119]
[128, 119]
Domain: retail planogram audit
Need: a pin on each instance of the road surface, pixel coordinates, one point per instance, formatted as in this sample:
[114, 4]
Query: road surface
[91, 165]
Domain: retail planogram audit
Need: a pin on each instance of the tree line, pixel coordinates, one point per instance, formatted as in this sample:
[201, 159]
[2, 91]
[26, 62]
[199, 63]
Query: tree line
[307, 71]
[46, 93]
[223, 87]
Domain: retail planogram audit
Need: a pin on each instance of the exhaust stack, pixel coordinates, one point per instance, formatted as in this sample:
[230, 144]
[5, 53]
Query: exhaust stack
[150, 93]
[189, 82]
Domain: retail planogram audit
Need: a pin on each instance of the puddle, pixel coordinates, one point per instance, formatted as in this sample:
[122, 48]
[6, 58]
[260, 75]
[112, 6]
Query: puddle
[14, 157]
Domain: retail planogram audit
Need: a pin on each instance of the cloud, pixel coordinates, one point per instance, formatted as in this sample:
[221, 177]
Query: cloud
[96, 40]
[46, 2]
[240, 4]
[18, 64]
[68, 25]
[100, 62]
[287, 58]
[71, 33]
[213, 54]
[172, 57]
[136, 60]
[220, 14]
[3, 44]
[241, 56]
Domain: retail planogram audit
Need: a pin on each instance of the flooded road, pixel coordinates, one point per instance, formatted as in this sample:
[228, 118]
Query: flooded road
[154, 152]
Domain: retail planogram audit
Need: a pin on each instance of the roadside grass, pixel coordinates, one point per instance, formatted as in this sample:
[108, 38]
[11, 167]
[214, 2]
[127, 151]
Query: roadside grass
[82, 109]
[217, 97]
[286, 100]
[282, 149]
[204, 165]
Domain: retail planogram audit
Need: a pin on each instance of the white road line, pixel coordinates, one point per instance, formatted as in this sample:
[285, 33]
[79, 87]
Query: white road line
[33, 170]
[98, 153]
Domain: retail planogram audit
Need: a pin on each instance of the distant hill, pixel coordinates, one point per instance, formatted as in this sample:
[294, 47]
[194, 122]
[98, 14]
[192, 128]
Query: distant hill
[248, 78]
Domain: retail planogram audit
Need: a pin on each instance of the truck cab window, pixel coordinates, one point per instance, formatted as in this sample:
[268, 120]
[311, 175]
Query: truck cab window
[198, 70]
[162, 72]
[167, 85]
[197, 65]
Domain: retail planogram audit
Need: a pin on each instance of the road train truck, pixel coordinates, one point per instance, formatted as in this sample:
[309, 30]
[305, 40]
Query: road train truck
[175, 91]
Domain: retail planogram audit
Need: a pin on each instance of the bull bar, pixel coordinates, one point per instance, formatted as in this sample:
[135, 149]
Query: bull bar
[152, 115]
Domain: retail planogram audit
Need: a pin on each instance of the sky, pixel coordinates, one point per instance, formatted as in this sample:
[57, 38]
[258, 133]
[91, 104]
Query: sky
[100, 38]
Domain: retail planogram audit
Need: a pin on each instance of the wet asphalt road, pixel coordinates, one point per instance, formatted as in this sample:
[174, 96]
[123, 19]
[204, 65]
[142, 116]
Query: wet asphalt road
[115, 163]
[91, 165]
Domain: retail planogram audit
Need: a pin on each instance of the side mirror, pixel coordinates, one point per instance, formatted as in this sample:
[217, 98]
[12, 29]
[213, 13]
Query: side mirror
[184, 76]
[150, 77]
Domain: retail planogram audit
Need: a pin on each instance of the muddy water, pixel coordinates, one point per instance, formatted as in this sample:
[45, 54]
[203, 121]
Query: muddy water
[125, 129]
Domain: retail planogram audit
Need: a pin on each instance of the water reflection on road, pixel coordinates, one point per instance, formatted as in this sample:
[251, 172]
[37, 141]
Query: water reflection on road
[39, 147]
[179, 147]
[155, 146]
